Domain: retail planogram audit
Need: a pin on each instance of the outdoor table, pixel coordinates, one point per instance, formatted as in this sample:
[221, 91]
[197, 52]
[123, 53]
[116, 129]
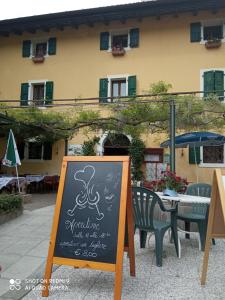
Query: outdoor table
[185, 199]
[181, 198]
[10, 181]
[34, 178]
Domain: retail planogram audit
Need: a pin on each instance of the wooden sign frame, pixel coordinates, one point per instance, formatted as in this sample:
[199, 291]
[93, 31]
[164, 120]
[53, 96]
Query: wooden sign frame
[125, 213]
[216, 221]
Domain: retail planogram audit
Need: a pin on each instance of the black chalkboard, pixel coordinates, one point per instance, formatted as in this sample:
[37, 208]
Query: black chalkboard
[89, 214]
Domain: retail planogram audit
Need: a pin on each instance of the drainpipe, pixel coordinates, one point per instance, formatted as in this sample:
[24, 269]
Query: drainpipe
[172, 135]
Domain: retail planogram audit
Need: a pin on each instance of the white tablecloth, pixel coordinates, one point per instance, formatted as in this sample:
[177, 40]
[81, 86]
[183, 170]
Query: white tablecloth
[185, 198]
[4, 181]
[34, 178]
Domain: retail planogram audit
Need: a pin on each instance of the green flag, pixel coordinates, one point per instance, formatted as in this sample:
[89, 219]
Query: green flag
[11, 158]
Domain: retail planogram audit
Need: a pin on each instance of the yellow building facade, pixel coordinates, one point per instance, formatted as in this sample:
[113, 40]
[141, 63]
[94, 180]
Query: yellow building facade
[164, 51]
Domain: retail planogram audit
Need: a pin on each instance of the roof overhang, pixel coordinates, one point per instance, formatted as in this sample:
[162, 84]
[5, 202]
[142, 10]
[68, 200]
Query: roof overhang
[107, 14]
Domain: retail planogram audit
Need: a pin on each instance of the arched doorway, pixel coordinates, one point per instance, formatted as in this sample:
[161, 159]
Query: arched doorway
[116, 144]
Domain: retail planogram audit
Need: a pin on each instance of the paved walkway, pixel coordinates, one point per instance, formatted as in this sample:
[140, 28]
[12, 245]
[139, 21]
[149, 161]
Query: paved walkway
[23, 247]
[23, 250]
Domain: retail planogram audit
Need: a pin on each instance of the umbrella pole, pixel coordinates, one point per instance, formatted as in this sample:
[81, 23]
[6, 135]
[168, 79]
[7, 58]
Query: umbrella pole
[17, 179]
[196, 166]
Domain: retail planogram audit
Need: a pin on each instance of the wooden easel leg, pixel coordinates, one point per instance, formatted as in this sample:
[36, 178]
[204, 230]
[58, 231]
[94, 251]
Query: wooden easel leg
[47, 277]
[118, 283]
[205, 260]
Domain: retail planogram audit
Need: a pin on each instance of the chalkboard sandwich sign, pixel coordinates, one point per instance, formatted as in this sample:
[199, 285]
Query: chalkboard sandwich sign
[93, 210]
[216, 220]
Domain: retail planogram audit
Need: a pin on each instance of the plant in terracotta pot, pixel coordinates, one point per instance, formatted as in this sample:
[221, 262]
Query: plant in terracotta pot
[213, 43]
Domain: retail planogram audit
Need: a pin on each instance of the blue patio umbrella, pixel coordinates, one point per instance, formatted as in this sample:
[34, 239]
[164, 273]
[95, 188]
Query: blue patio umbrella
[196, 139]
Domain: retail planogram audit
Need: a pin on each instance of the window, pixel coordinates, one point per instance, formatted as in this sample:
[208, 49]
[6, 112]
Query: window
[207, 156]
[213, 154]
[212, 32]
[122, 38]
[39, 48]
[38, 94]
[213, 82]
[37, 151]
[35, 90]
[153, 155]
[118, 88]
[207, 30]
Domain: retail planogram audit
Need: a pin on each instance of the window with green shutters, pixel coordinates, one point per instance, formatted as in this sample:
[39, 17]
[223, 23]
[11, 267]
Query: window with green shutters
[121, 38]
[38, 48]
[24, 92]
[214, 82]
[36, 91]
[194, 155]
[116, 87]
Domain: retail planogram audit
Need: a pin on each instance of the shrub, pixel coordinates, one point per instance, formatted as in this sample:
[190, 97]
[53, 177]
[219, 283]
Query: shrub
[10, 203]
[136, 151]
[88, 148]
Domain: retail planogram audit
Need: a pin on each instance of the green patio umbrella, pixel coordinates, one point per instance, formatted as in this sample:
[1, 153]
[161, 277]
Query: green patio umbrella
[11, 158]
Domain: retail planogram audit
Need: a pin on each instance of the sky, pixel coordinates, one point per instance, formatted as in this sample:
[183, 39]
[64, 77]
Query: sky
[21, 8]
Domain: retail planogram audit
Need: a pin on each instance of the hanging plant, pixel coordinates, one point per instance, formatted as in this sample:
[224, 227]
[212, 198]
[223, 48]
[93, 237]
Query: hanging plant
[88, 147]
[136, 151]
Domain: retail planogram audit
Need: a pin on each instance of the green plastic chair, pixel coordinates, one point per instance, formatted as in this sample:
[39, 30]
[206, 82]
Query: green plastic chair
[199, 212]
[144, 204]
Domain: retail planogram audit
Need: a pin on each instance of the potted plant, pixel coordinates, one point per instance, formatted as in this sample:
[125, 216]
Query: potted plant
[213, 43]
[168, 181]
[118, 50]
[38, 59]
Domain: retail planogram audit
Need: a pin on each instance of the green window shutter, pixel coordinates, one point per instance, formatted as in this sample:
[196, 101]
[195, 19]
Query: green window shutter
[194, 155]
[49, 92]
[52, 46]
[134, 37]
[104, 40]
[131, 86]
[24, 94]
[219, 84]
[195, 32]
[103, 90]
[26, 51]
[47, 154]
[209, 85]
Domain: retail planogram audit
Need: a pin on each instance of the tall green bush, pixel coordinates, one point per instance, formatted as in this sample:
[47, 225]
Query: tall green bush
[88, 147]
[136, 151]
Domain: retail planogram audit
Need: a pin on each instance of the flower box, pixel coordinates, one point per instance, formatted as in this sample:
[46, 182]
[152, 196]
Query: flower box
[38, 59]
[118, 51]
[211, 44]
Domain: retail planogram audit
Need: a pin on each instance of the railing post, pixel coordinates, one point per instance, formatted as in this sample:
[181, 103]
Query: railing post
[172, 136]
